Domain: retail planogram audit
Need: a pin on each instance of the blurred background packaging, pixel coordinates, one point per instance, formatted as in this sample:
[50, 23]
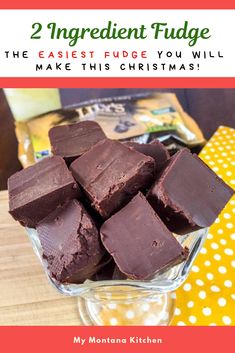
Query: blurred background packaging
[209, 109]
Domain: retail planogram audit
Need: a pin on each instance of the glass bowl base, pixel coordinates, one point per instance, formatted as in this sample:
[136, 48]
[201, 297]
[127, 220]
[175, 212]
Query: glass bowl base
[152, 310]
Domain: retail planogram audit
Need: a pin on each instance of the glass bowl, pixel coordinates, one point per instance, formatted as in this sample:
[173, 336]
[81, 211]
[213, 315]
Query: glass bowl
[148, 302]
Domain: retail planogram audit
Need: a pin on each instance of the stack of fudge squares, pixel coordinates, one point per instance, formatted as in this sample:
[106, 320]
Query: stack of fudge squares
[105, 209]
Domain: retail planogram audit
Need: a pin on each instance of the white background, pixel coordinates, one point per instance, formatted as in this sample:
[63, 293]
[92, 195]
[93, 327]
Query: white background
[16, 29]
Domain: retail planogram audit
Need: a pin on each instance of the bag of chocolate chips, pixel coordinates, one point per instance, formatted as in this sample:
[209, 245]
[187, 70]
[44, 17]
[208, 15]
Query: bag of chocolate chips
[139, 118]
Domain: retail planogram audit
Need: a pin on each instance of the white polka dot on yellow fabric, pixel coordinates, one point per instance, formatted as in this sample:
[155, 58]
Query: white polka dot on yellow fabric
[207, 298]
[222, 269]
[226, 320]
[202, 294]
[206, 311]
[215, 169]
[217, 257]
[177, 311]
[228, 251]
[203, 251]
[229, 225]
[187, 287]
[215, 289]
[233, 264]
[222, 301]
[207, 263]
[199, 282]
[195, 268]
[210, 276]
[192, 319]
[228, 283]
[227, 215]
[214, 246]
[113, 321]
[181, 323]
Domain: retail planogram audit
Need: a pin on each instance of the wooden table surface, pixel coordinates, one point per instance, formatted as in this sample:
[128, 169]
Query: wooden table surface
[26, 297]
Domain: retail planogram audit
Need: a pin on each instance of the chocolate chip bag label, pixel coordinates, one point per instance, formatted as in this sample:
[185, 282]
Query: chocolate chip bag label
[139, 117]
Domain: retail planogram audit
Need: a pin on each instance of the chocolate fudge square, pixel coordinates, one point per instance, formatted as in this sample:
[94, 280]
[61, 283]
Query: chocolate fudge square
[139, 242]
[71, 141]
[36, 191]
[188, 195]
[154, 149]
[70, 243]
[111, 173]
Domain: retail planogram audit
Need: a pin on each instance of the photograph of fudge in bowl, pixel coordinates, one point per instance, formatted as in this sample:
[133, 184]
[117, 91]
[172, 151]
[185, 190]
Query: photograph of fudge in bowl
[116, 219]
[99, 203]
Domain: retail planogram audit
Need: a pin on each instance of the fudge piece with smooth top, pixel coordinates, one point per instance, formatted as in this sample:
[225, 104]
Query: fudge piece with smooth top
[139, 242]
[154, 149]
[36, 191]
[188, 195]
[71, 141]
[111, 174]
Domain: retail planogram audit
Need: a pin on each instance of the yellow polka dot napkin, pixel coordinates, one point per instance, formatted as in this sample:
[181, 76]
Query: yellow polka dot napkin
[208, 295]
